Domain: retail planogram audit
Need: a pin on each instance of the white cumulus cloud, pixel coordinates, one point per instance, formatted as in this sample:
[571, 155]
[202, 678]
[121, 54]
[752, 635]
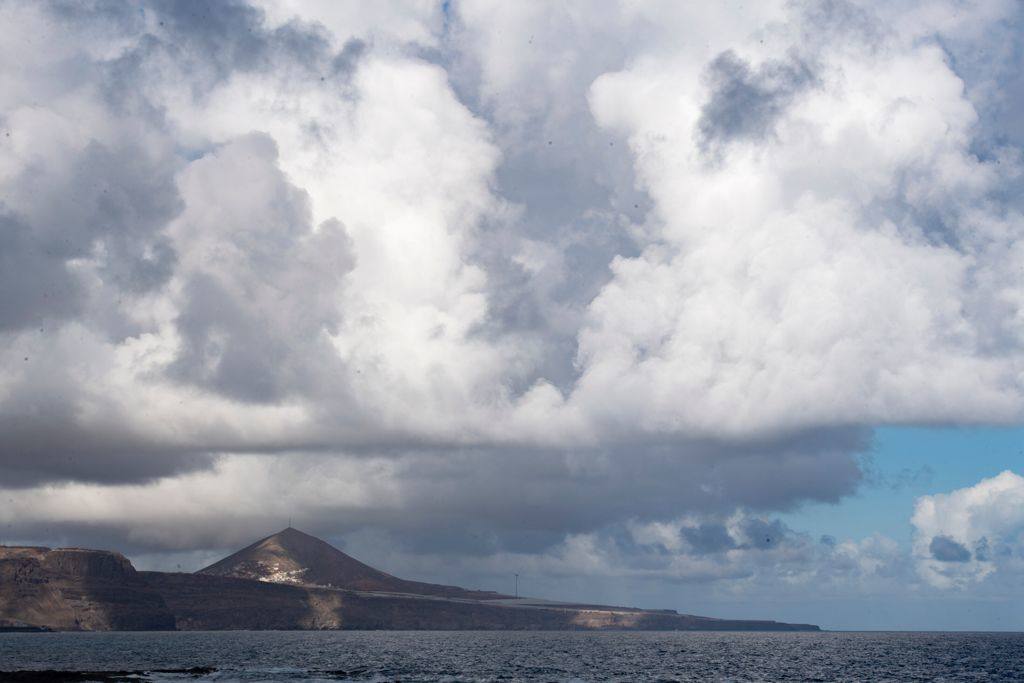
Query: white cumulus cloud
[970, 534]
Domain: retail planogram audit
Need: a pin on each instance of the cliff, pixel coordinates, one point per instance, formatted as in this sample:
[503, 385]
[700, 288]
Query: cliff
[73, 589]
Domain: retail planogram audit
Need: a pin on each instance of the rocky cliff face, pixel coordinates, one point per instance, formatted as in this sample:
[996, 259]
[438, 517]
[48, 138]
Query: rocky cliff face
[74, 589]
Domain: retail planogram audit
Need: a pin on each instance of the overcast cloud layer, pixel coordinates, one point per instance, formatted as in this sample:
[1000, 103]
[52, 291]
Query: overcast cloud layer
[595, 289]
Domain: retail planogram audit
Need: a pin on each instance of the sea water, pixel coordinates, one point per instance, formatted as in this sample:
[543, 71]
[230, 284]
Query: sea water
[514, 656]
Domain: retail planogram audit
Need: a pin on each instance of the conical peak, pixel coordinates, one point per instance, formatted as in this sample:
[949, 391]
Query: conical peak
[293, 533]
[297, 545]
[295, 557]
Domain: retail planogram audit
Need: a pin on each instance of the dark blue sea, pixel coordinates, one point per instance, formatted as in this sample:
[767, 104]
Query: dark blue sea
[517, 656]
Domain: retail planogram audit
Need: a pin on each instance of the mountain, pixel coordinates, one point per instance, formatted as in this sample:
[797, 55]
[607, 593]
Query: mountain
[290, 580]
[296, 558]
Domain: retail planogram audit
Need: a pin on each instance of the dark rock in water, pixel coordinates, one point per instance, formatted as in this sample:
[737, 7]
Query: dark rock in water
[16, 626]
[288, 581]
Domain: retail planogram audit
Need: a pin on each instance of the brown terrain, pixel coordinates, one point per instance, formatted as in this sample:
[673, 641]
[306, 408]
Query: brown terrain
[72, 589]
[293, 557]
[286, 581]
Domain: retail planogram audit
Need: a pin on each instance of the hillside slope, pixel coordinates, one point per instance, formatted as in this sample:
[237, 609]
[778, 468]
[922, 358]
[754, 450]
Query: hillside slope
[296, 558]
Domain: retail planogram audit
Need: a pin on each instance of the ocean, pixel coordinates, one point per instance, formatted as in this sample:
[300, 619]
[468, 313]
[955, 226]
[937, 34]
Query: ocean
[511, 656]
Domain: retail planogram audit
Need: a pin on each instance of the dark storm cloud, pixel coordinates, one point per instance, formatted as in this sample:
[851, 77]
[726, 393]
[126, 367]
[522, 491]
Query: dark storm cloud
[520, 501]
[345, 62]
[211, 40]
[549, 302]
[36, 284]
[527, 499]
[476, 502]
[57, 448]
[118, 198]
[126, 199]
[98, 15]
[828, 21]
[121, 194]
[225, 348]
[745, 103]
[573, 186]
[575, 195]
[762, 535]
[1007, 125]
[229, 36]
[240, 353]
[98, 201]
[708, 537]
[946, 549]
[207, 41]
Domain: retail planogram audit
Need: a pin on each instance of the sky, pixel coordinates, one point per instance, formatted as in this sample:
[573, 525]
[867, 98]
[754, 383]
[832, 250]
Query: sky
[707, 306]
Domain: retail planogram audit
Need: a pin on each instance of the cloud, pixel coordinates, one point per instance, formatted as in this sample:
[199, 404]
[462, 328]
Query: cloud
[708, 538]
[205, 272]
[971, 535]
[945, 549]
[58, 447]
[744, 103]
[741, 566]
[38, 287]
[416, 269]
[760, 301]
[460, 499]
[392, 22]
[260, 294]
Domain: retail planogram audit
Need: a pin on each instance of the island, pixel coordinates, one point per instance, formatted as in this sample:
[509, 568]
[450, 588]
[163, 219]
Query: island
[287, 581]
